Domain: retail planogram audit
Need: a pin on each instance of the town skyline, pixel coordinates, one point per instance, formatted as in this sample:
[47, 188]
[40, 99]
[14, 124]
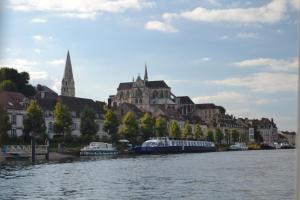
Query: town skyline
[258, 81]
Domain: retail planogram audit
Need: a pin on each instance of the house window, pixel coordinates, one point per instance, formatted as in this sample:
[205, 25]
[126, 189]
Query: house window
[13, 133]
[50, 126]
[14, 119]
[74, 126]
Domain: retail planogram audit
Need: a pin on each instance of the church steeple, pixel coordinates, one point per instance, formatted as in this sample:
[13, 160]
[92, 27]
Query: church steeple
[146, 73]
[68, 85]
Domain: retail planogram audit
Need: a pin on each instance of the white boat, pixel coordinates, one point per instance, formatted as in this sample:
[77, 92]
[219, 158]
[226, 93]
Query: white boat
[98, 148]
[238, 147]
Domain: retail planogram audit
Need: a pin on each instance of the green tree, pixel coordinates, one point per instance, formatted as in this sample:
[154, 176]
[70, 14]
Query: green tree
[174, 129]
[34, 121]
[130, 128]
[20, 80]
[219, 136]
[235, 135]
[8, 85]
[198, 131]
[161, 127]
[147, 126]
[111, 124]
[257, 136]
[210, 135]
[243, 137]
[187, 130]
[62, 120]
[88, 125]
[4, 126]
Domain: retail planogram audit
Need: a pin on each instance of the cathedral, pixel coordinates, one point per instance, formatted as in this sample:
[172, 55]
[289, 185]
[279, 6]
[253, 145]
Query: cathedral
[143, 93]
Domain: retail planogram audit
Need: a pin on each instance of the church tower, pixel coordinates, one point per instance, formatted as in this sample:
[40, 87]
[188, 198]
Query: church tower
[67, 84]
[146, 73]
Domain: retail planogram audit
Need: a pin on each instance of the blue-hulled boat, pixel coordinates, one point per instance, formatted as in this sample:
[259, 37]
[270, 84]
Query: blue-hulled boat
[166, 145]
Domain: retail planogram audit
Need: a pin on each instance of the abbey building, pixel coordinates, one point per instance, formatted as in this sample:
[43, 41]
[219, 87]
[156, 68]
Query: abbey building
[144, 93]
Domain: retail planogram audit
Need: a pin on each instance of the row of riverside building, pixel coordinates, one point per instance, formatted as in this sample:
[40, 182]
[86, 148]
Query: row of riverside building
[138, 96]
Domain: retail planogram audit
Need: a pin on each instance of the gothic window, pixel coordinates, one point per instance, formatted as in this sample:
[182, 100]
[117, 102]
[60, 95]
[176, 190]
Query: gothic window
[141, 101]
[127, 94]
[155, 94]
[166, 94]
[136, 101]
[121, 95]
[161, 94]
[139, 92]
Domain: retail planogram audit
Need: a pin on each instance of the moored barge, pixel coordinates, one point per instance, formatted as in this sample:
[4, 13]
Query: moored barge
[166, 145]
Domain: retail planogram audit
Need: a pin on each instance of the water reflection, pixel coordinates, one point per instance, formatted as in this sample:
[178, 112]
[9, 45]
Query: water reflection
[222, 175]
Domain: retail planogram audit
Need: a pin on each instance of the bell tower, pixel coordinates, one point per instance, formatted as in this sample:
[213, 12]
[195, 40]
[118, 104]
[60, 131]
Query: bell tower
[68, 84]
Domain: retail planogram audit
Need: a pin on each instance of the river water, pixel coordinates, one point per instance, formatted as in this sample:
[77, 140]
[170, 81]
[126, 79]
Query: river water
[265, 175]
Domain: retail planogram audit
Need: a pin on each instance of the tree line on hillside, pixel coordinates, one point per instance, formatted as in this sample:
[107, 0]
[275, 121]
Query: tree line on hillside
[138, 130]
[13, 81]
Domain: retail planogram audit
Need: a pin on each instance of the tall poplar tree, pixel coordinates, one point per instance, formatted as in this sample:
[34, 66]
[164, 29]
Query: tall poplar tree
[147, 126]
[34, 121]
[111, 124]
[130, 128]
[187, 130]
[161, 128]
[88, 125]
[62, 119]
[198, 132]
[174, 129]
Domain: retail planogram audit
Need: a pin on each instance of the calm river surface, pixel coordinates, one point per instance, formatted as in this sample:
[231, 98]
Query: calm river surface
[223, 175]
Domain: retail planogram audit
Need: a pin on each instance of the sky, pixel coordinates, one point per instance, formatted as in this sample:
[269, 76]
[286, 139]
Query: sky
[238, 54]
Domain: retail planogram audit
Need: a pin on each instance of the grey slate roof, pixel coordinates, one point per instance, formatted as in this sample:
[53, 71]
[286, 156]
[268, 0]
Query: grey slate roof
[149, 84]
[185, 100]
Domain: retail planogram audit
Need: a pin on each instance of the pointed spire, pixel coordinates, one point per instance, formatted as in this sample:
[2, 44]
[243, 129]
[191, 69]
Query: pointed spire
[138, 78]
[146, 73]
[68, 67]
[68, 85]
[133, 78]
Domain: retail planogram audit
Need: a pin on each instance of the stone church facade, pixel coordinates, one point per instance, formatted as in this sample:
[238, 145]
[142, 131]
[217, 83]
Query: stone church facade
[143, 93]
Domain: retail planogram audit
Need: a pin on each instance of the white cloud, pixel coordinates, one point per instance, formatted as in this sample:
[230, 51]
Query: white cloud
[221, 98]
[201, 60]
[56, 85]
[214, 2]
[265, 101]
[236, 103]
[38, 37]
[224, 37]
[295, 4]
[80, 8]
[25, 65]
[39, 20]
[263, 82]
[91, 15]
[160, 26]
[270, 63]
[57, 62]
[269, 13]
[248, 35]
[37, 50]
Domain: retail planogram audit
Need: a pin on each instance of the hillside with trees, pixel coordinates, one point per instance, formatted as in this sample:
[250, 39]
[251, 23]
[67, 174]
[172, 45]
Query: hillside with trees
[14, 81]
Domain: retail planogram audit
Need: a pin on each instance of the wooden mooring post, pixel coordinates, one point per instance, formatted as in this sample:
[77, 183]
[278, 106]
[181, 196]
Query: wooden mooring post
[33, 149]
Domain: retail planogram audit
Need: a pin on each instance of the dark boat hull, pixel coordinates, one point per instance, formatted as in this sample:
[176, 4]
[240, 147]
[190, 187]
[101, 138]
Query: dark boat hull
[173, 149]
